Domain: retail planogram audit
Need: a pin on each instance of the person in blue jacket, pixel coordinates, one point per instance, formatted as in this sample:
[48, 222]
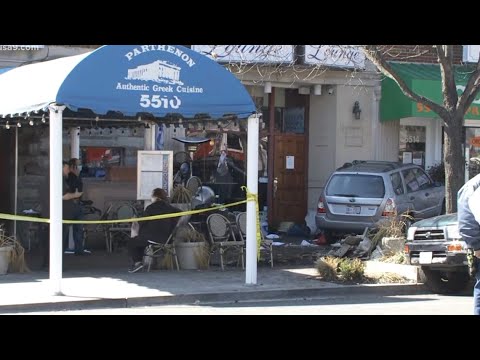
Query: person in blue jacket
[469, 227]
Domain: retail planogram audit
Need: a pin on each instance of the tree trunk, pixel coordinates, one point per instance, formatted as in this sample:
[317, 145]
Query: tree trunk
[454, 161]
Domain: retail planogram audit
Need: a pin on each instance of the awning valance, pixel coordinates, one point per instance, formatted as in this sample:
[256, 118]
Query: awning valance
[128, 79]
[424, 79]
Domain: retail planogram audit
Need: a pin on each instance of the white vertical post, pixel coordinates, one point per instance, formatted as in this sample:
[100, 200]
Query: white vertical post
[74, 143]
[16, 185]
[149, 144]
[56, 194]
[149, 138]
[252, 185]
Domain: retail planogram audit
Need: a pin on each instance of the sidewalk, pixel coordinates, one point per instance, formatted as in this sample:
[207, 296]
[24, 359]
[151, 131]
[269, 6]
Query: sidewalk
[102, 288]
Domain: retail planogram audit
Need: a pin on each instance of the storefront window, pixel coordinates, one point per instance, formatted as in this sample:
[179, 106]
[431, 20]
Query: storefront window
[412, 145]
[472, 151]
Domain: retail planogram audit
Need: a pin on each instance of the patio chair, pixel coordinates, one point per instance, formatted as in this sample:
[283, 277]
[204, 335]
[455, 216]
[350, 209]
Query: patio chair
[222, 237]
[124, 211]
[156, 250]
[265, 244]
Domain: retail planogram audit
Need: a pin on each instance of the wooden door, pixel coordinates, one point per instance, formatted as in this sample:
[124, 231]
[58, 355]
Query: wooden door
[290, 178]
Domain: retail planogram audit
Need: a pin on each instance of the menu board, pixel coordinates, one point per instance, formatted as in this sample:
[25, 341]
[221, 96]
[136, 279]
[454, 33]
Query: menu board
[154, 170]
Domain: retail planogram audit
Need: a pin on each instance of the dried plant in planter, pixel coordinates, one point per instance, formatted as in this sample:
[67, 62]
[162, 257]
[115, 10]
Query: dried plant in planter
[188, 234]
[17, 254]
[181, 195]
[393, 226]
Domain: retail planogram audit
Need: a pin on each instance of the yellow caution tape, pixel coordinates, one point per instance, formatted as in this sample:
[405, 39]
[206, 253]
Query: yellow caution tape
[250, 197]
[95, 222]
[254, 197]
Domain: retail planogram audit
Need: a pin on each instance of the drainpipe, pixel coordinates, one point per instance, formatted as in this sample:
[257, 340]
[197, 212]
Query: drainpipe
[376, 133]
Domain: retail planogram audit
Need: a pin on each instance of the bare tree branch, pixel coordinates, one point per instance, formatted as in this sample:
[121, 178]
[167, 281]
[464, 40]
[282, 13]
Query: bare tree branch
[445, 58]
[471, 89]
[372, 53]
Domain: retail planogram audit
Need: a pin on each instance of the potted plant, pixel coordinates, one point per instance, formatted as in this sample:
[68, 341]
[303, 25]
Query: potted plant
[12, 255]
[192, 249]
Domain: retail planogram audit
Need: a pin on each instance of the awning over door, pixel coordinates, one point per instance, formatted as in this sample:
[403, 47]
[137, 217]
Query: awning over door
[424, 79]
[128, 79]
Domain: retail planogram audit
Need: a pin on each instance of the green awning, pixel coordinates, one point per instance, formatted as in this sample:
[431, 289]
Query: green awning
[424, 79]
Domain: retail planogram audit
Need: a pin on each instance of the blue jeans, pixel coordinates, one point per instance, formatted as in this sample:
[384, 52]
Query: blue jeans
[77, 231]
[476, 291]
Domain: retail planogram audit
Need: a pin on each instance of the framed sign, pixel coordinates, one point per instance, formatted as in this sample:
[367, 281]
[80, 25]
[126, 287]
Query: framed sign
[154, 170]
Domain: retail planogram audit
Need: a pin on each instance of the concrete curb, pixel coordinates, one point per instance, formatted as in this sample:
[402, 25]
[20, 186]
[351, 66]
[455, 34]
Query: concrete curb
[224, 297]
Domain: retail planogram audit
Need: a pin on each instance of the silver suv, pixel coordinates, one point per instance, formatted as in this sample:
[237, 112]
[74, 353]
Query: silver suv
[362, 193]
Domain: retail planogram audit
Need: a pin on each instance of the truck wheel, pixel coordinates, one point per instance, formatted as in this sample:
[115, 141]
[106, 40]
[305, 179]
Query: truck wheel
[445, 282]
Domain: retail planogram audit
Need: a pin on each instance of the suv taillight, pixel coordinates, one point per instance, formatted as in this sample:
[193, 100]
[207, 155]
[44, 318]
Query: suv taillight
[389, 208]
[321, 206]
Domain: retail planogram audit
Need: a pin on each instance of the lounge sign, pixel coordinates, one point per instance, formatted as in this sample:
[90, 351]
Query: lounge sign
[335, 55]
[247, 53]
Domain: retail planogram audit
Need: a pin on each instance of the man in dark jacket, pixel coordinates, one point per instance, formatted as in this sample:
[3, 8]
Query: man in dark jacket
[155, 230]
[469, 227]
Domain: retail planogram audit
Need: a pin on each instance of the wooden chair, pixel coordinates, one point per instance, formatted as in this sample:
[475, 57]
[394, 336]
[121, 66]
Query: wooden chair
[222, 237]
[265, 244]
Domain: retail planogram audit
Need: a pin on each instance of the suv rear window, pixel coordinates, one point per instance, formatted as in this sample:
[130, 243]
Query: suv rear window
[355, 185]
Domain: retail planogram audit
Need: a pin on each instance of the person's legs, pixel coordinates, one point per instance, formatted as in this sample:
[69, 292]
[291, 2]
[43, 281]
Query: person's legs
[136, 249]
[476, 291]
[66, 233]
[78, 231]
[45, 244]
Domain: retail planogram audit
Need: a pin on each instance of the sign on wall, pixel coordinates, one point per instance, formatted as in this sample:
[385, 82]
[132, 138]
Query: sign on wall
[247, 53]
[335, 55]
[155, 170]
[471, 53]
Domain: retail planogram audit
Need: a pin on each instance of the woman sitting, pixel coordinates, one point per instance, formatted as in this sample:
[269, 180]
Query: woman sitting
[155, 230]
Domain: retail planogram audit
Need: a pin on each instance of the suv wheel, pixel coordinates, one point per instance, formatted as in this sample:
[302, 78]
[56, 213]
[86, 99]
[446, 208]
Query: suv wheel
[445, 282]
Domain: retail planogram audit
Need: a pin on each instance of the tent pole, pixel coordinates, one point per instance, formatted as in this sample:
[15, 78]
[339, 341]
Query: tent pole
[74, 143]
[252, 185]
[56, 194]
[16, 185]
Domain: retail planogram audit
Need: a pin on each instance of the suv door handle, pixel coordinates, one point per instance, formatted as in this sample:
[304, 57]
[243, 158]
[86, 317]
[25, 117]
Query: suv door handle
[412, 197]
[427, 194]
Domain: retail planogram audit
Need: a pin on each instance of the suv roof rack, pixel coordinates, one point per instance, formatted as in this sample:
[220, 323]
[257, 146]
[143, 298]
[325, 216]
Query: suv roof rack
[385, 165]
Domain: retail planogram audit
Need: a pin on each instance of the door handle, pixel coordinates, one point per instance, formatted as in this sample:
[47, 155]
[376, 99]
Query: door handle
[275, 186]
[427, 194]
[412, 197]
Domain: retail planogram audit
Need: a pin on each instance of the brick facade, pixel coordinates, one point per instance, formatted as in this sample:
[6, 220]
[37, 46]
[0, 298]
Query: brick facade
[419, 53]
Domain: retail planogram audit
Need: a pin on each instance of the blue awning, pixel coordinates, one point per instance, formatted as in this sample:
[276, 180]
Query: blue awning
[3, 70]
[129, 79]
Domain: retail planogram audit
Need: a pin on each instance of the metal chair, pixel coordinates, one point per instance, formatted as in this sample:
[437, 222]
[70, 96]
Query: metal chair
[194, 184]
[124, 211]
[266, 244]
[222, 237]
[156, 250]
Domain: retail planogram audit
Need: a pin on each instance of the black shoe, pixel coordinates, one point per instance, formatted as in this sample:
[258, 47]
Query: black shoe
[137, 267]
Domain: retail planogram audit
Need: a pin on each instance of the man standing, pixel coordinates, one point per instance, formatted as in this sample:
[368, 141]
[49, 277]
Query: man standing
[469, 227]
[71, 211]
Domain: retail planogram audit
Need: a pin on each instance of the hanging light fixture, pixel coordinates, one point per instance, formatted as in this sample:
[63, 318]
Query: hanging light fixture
[7, 126]
[356, 110]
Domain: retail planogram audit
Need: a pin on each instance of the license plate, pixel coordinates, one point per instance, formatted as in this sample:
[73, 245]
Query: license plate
[426, 257]
[353, 210]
